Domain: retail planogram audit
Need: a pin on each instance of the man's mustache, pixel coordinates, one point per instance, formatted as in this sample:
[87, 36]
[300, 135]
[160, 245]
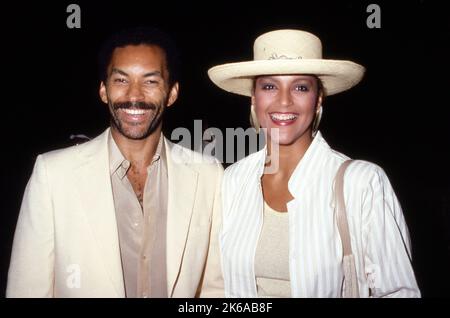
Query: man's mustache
[134, 105]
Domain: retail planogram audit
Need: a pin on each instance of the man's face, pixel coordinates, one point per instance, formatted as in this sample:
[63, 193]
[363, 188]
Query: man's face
[137, 90]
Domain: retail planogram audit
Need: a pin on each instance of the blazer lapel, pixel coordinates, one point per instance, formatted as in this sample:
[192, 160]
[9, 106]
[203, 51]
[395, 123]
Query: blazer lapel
[94, 185]
[306, 171]
[181, 198]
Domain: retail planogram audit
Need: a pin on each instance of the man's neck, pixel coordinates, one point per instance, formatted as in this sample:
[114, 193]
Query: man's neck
[138, 152]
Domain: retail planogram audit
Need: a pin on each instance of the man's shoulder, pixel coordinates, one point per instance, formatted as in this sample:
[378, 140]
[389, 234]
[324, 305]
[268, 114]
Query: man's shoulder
[182, 155]
[68, 154]
[72, 155]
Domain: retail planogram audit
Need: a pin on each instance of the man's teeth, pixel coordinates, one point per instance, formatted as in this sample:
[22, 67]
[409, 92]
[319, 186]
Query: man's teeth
[283, 116]
[134, 111]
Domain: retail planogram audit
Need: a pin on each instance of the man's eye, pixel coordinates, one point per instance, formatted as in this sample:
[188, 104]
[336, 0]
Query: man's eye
[120, 80]
[268, 86]
[151, 82]
[302, 88]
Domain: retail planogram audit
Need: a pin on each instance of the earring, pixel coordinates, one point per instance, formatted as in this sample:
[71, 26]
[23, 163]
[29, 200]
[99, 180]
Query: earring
[316, 122]
[254, 120]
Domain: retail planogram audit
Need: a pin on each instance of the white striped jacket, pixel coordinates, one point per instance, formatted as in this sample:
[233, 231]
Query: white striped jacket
[379, 235]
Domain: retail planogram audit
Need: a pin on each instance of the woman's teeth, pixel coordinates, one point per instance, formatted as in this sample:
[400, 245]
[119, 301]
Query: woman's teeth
[283, 116]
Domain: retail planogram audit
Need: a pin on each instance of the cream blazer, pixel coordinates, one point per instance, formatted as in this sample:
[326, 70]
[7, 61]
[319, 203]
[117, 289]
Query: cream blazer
[379, 234]
[66, 240]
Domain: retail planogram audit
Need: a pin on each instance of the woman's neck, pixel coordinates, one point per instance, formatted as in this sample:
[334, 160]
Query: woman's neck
[289, 155]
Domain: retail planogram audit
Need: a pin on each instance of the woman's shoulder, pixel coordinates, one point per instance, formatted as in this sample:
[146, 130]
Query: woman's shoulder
[239, 173]
[249, 163]
[359, 172]
[357, 167]
[365, 174]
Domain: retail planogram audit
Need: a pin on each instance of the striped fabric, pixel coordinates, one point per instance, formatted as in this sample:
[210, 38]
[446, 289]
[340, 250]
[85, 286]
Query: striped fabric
[379, 235]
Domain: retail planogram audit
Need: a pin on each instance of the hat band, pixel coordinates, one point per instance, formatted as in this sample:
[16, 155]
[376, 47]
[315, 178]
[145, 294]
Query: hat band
[275, 56]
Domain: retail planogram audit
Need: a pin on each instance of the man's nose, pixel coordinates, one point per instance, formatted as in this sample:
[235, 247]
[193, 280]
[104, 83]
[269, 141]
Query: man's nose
[135, 93]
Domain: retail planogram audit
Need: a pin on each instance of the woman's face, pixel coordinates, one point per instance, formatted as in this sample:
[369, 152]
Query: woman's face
[286, 102]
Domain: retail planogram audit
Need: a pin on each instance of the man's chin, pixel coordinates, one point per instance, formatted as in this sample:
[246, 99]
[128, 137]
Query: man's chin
[136, 135]
[133, 133]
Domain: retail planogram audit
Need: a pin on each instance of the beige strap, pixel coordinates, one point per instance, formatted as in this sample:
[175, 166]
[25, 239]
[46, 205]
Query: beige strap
[350, 279]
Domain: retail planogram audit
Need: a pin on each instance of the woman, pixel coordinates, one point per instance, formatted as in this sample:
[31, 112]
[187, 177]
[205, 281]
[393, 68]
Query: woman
[279, 235]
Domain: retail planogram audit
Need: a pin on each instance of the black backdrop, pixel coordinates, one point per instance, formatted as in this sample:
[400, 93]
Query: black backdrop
[397, 117]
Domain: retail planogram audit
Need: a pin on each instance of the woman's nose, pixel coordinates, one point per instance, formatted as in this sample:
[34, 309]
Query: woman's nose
[285, 97]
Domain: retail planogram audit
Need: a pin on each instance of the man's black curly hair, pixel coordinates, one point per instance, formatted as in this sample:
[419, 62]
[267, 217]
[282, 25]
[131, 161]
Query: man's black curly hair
[137, 36]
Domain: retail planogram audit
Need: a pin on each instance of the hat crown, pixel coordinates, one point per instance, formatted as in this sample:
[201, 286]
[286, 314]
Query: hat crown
[287, 44]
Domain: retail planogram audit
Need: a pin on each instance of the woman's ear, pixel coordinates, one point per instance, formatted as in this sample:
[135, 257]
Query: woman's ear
[319, 100]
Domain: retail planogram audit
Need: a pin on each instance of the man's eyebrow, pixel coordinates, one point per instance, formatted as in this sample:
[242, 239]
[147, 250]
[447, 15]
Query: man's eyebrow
[149, 74]
[116, 70]
[155, 73]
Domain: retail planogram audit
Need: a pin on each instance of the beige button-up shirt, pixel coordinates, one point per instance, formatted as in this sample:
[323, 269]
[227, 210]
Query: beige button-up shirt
[142, 229]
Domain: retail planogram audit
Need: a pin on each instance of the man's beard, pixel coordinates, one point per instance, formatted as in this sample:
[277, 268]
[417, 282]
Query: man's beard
[154, 122]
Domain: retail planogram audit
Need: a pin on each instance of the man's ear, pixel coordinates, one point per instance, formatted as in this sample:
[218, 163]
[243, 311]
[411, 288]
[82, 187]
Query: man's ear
[102, 93]
[173, 94]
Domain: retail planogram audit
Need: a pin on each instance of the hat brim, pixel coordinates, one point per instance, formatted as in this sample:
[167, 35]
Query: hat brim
[336, 75]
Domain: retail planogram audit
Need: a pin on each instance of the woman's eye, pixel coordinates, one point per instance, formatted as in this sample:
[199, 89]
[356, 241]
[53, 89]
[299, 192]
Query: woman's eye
[268, 86]
[302, 88]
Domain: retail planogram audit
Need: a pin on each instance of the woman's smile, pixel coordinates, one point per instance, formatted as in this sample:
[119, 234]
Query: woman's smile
[283, 118]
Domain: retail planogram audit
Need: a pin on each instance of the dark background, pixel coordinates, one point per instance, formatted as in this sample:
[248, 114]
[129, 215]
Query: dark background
[397, 117]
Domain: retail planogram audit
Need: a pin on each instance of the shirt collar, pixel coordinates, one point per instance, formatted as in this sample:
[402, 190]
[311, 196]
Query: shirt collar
[307, 168]
[160, 153]
[310, 166]
[118, 163]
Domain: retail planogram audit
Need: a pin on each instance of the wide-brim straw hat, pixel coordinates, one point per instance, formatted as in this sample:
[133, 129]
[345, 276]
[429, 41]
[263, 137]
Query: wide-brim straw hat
[285, 52]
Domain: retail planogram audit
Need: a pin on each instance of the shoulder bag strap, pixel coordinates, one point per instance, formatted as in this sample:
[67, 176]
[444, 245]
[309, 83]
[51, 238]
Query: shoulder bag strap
[350, 288]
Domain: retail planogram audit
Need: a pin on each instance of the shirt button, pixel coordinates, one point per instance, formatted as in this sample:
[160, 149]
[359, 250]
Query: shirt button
[144, 296]
[135, 224]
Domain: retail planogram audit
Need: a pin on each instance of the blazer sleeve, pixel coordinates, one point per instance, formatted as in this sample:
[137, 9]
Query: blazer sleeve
[387, 255]
[31, 270]
[212, 283]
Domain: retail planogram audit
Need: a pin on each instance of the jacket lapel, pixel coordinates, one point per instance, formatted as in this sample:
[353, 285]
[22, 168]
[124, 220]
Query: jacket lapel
[306, 171]
[94, 186]
[181, 198]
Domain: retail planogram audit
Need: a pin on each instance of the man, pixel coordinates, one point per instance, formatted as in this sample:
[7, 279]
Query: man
[128, 214]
